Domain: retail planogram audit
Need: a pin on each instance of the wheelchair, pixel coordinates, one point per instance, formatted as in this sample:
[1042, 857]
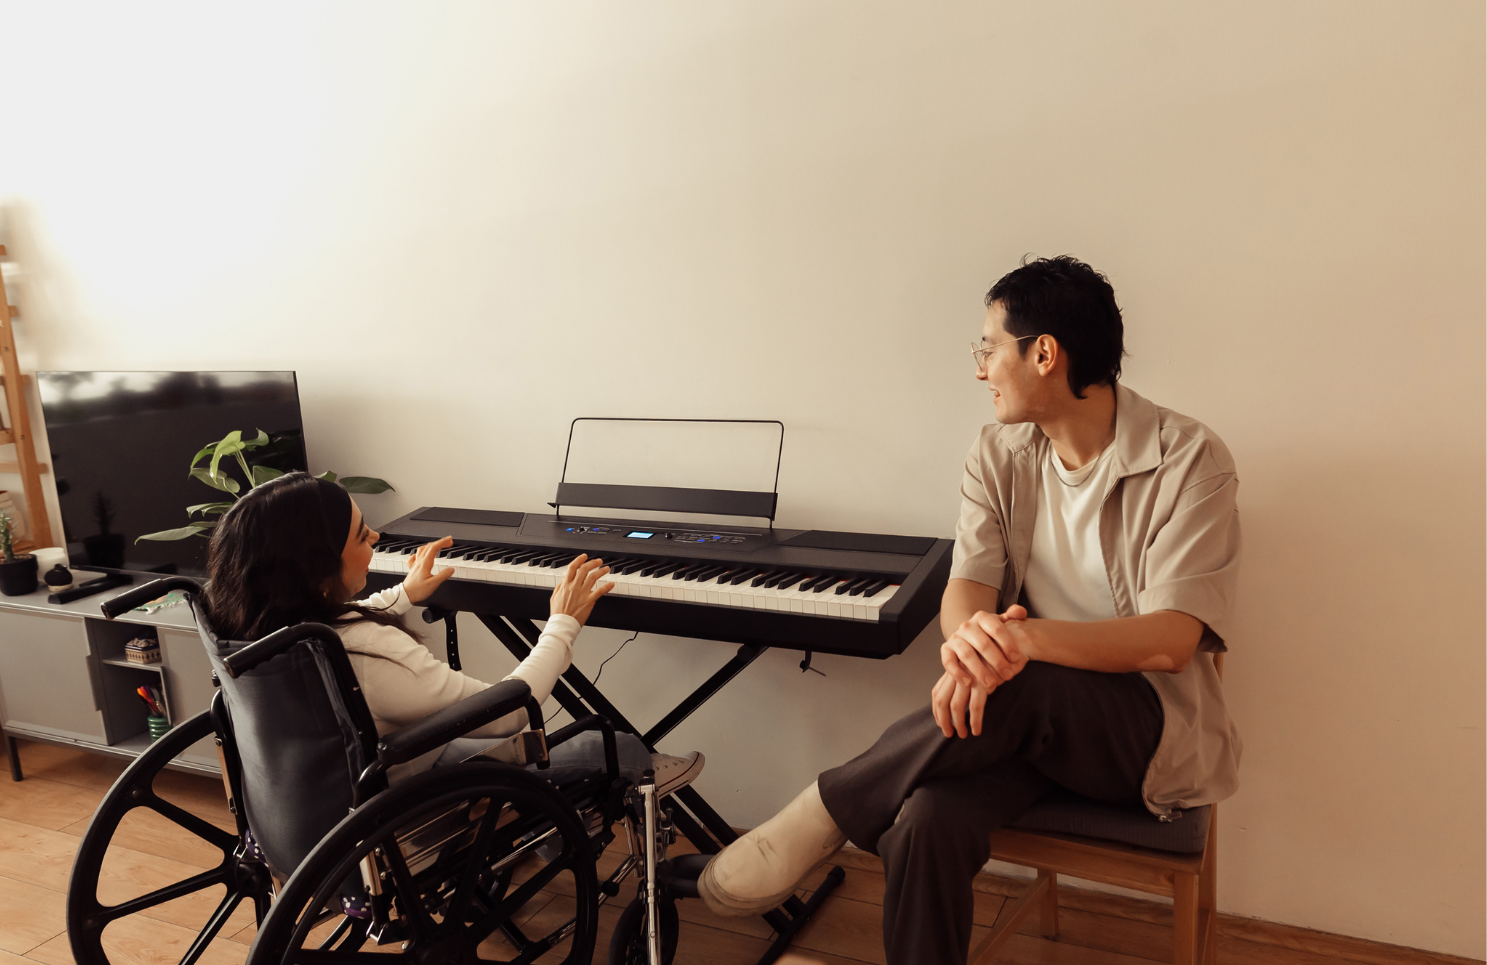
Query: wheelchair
[338, 863]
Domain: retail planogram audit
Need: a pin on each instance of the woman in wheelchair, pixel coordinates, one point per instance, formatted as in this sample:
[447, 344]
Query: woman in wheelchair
[268, 571]
[375, 801]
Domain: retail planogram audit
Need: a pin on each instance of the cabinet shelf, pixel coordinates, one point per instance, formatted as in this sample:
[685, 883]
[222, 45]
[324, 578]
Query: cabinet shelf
[121, 662]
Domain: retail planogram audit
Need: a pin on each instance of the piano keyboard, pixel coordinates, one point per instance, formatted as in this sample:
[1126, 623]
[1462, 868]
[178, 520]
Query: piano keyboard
[709, 582]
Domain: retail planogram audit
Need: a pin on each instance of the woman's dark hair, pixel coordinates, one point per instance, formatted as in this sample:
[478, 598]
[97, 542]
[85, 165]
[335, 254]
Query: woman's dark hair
[1069, 300]
[275, 560]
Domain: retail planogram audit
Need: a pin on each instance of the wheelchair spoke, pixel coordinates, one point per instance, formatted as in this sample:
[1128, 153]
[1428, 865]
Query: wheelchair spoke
[470, 877]
[337, 934]
[200, 827]
[520, 896]
[213, 926]
[409, 897]
[160, 896]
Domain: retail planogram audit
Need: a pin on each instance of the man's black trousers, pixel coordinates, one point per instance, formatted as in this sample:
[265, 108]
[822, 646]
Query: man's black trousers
[927, 803]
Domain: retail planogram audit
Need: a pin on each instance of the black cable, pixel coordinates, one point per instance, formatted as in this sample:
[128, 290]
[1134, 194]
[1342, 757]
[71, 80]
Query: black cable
[613, 655]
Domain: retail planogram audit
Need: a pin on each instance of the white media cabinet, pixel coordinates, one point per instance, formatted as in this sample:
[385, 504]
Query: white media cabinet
[64, 679]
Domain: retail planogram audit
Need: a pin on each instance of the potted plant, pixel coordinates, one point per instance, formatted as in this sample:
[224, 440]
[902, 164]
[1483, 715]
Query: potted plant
[215, 474]
[17, 571]
[105, 547]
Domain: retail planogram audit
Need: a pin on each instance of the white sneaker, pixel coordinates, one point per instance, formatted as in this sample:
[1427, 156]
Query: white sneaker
[675, 773]
[761, 869]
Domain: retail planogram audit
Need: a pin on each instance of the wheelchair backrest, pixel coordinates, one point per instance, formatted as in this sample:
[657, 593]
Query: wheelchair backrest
[303, 735]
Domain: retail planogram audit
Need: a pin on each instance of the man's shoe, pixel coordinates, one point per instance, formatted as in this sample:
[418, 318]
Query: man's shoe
[763, 868]
[675, 773]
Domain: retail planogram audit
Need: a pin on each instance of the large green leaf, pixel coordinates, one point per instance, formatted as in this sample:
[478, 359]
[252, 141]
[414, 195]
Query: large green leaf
[206, 450]
[208, 508]
[262, 474]
[365, 484]
[231, 443]
[225, 483]
[191, 529]
[261, 440]
[328, 476]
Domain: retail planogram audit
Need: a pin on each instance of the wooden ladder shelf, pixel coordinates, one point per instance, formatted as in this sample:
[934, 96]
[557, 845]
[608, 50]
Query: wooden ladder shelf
[18, 431]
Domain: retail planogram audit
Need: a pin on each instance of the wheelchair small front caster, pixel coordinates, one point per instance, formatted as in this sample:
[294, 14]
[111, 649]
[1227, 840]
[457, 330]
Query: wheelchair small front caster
[627, 946]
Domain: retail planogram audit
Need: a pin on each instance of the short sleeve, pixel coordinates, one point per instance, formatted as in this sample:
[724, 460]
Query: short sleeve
[980, 542]
[1192, 565]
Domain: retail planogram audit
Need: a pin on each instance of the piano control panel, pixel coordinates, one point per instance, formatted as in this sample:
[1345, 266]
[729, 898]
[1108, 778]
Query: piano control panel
[638, 534]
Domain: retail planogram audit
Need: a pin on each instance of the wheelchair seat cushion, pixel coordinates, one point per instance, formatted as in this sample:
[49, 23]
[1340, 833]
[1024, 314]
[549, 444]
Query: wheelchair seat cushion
[1064, 812]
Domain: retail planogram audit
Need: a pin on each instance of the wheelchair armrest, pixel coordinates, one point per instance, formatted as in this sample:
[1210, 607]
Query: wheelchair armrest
[152, 590]
[456, 720]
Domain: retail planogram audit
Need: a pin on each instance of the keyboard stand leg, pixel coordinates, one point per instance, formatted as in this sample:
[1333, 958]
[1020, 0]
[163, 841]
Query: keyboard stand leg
[694, 817]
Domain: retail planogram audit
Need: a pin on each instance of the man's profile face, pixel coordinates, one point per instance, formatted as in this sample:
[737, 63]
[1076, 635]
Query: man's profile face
[1007, 373]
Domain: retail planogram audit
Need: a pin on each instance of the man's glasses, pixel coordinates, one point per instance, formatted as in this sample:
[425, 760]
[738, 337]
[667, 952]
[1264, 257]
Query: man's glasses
[980, 351]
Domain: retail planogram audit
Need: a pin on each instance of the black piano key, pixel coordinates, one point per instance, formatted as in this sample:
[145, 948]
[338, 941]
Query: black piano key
[821, 584]
[669, 568]
[853, 585]
[789, 580]
[704, 575]
[740, 576]
[861, 585]
[686, 569]
[762, 578]
[810, 583]
[517, 559]
[873, 588]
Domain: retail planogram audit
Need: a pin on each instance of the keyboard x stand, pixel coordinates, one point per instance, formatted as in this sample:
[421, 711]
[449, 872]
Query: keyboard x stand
[694, 817]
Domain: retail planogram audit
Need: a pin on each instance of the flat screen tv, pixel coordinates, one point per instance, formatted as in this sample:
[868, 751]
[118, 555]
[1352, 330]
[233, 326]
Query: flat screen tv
[121, 446]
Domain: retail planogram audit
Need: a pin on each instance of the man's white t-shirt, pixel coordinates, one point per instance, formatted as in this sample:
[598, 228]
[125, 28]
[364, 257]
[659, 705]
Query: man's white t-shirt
[1066, 577]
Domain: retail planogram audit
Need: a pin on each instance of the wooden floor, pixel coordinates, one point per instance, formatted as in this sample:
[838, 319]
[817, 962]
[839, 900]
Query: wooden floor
[43, 817]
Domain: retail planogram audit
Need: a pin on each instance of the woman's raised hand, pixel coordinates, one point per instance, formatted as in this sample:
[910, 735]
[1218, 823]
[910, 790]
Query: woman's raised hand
[422, 581]
[579, 589]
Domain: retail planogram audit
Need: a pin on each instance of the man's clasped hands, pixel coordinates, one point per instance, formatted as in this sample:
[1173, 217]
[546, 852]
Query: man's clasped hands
[985, 652]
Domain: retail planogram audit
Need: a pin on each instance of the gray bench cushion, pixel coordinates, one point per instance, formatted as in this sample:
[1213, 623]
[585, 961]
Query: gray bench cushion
[1065, 812]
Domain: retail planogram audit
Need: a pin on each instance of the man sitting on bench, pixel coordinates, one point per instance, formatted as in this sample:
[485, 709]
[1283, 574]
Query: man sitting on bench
[1096, 560]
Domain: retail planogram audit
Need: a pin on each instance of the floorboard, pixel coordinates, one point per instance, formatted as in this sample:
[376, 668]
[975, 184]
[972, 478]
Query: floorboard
[42, 820]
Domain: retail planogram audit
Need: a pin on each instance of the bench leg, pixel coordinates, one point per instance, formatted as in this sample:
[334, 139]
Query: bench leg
[13, 750]
[1011, 916]
[1184, 919]
[1048, 908]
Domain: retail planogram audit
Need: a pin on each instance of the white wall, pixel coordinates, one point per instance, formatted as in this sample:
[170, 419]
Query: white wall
[465, 224]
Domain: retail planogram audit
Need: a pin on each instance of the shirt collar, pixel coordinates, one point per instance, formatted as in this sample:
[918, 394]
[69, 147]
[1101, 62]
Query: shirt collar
[1138, 438]
[1138, 442]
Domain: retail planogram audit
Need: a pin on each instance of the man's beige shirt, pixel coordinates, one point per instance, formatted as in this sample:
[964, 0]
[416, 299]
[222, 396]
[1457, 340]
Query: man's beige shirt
[1169, 530]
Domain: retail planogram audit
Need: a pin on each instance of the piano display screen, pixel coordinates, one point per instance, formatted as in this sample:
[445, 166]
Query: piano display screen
[640, 535]
[121, 443]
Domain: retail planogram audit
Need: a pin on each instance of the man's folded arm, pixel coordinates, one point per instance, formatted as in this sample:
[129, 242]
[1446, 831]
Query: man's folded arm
[962, 599]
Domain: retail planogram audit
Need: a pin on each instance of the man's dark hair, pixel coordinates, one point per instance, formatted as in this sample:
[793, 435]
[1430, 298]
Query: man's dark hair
[1069, 300]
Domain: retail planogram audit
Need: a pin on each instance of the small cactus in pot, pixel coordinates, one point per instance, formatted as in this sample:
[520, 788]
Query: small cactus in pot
[17, 570]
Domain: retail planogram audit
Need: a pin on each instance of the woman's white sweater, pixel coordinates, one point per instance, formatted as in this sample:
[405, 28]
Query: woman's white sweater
[402, 682]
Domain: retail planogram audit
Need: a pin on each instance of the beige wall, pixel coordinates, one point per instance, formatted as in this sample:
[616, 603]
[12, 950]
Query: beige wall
[465, 224]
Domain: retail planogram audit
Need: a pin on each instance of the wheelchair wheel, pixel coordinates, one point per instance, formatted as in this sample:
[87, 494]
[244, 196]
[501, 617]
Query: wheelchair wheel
[244, 879]
[627, 944]
[453, 865]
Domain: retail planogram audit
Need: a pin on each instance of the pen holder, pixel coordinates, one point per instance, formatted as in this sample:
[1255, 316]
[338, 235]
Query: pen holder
[158, 726]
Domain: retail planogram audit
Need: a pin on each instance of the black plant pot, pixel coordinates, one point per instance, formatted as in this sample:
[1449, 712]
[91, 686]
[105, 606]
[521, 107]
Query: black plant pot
[105, 549]
[18, 576]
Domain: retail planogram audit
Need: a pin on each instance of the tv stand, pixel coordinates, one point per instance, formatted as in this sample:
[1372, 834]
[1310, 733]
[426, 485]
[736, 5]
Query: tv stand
[64, 678]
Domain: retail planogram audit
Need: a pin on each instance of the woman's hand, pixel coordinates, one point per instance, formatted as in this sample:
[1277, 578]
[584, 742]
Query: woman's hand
[579, 589]
[422, 580]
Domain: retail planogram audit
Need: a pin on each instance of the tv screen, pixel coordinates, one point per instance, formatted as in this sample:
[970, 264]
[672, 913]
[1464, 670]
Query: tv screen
[121, 448]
